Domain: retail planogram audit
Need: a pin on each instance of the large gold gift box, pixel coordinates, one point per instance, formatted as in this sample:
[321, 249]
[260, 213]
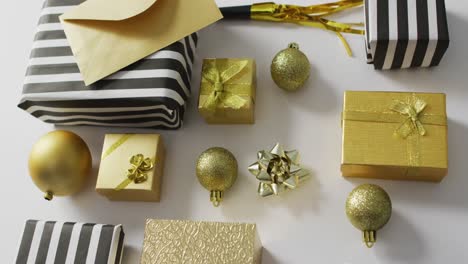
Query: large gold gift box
[227, 91]
[394, 135]
[131, 167]
[190, 242]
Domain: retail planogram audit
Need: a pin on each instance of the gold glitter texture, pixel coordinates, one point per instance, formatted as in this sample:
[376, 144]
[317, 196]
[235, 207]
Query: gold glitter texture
[368, 208]
[216, 171]
[290, 68]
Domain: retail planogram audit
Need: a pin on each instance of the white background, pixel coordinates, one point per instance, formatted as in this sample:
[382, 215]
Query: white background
[429, 222]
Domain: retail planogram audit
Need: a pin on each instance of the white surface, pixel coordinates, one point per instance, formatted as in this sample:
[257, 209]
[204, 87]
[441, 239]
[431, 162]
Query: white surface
[429, 222]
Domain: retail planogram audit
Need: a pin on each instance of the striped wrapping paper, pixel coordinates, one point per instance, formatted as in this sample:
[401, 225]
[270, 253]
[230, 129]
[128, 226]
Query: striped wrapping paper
[150, 93]
[405, 33]
[59, 243]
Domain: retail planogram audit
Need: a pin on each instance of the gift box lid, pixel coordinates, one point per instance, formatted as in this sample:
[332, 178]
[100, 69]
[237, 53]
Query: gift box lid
[241, 83]
[236, 103]
[405, 33]
[177, 241]
[116, 164]
[67, 242]
[383, 139]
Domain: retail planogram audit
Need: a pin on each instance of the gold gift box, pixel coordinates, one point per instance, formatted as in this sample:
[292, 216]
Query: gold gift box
[118, 149]
[394, 135]
[233, 83]
[190, 242]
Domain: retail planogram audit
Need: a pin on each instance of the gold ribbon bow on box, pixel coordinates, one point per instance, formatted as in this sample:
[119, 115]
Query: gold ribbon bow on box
[140, 166]
[411, 117]
[412, 112]
[312, 16]
[220, 92]
[138, 173]
[277, 171]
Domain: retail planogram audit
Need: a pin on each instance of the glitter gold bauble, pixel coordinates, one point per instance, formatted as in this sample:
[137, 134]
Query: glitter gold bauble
[60, 163]
[217, 172]
[290, 68]
[369, 208]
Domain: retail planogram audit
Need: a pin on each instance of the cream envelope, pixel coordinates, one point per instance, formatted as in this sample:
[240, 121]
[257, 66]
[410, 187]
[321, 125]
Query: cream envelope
[108, 35]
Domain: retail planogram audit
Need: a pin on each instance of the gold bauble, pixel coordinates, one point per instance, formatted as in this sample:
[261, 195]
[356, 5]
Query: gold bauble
[217, 172]
[368, 208]
[290, 68]
[60, 163]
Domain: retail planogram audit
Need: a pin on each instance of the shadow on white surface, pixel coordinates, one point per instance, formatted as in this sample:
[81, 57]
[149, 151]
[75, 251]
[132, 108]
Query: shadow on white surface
[400, 241]
[297, 203]
[130, 254]
[448, 80]
[268, 258]
[317, 96]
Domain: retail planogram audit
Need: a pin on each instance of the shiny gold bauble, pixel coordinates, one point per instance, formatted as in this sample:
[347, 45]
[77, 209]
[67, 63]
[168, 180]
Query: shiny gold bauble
[60, 163]
[290, 68]
[217, 172]
[368, 208]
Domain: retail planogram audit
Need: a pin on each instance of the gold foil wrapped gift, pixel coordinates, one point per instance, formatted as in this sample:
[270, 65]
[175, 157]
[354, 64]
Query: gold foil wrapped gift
[131, 167]
[227, 91]
[190, 242]
[392, 135]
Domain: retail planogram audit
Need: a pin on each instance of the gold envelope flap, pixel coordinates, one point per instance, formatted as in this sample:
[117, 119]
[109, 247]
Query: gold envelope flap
[369, 127]
[117, 10]
[108, 35]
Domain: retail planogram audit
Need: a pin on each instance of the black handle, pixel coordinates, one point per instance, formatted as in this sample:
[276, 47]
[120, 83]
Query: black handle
[236, 12]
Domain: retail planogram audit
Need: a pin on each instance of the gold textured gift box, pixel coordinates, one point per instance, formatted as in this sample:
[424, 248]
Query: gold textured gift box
[227, 91]
[191, 242]
[394, 135]
[119, 162]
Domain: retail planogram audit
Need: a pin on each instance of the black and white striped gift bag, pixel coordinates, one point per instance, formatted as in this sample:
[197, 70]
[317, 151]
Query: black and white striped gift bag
[150, 93]
[405, 33]
[48, 242]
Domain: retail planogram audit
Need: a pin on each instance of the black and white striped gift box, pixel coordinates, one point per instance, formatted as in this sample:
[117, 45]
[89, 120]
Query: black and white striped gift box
[405, 33]
[150, 93]
[48, 242]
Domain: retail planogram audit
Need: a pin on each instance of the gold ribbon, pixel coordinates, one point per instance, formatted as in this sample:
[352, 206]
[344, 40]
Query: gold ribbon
[277, 171]
[412, 122]
[312, 16]
[220, 92]
[140, 166]
[411, 127]
[116, 145]
[138, 173]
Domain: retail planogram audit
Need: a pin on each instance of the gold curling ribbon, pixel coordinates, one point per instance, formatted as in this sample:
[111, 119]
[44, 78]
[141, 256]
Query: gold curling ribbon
[312, 16]
[138, 173]
[411, 127]
[221, 93]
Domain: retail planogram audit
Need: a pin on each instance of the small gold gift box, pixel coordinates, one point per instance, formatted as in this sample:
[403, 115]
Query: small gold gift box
[190, 242]
[394, 135]
[227, 91]
[131, 167]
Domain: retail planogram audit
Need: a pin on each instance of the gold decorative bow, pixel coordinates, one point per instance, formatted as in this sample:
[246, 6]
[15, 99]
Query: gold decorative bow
[411, 111]
[312, 16]
[138, 173]
[221, 94]
[277, 171]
